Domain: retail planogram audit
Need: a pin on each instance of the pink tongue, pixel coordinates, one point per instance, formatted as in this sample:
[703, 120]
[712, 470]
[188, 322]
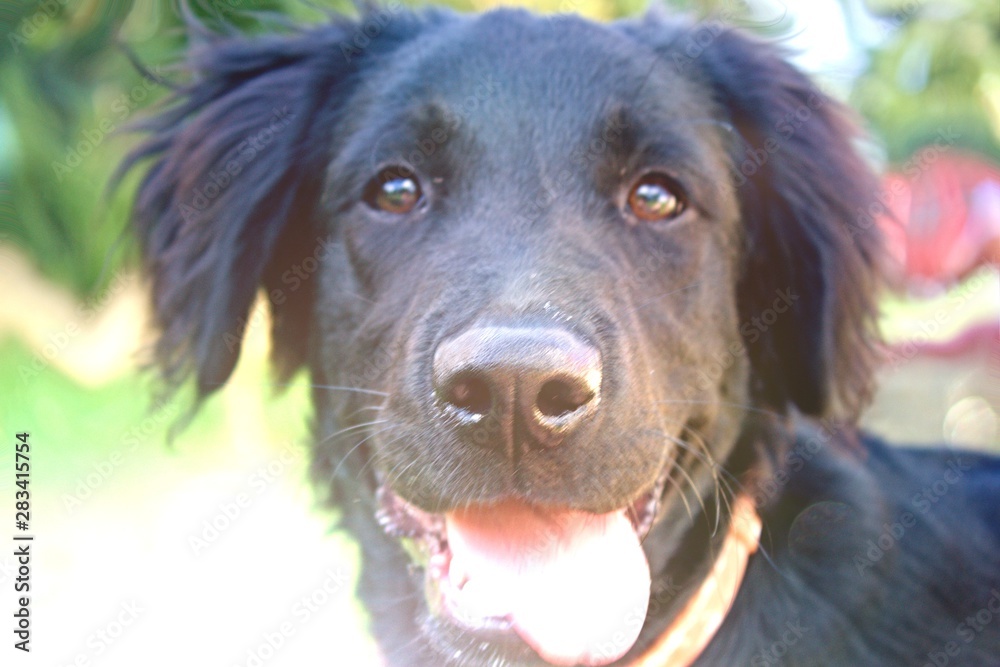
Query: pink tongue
[574, 585]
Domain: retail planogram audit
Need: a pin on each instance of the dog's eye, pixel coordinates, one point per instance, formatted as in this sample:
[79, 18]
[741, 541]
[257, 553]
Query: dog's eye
[656, 197]
[393, 190]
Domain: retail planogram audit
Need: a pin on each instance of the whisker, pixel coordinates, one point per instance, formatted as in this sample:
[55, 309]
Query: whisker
[709, 462]
[680, 491]
[693, 486]
[404, 649]
[393, 475]
[716, 466]
[396, 599]
[332, 387]
[337, 434]
[343, 459]
[761, 548]
[699, 439]
[742, 406]
[372, 460]
[721, 499]
[652, 299]
[360, 390]
[363, 408]
[730, 479]
[357, 296]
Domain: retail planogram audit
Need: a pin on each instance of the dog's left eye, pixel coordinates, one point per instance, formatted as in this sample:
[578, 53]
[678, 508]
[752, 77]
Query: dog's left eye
[656, 197]
[393, 190]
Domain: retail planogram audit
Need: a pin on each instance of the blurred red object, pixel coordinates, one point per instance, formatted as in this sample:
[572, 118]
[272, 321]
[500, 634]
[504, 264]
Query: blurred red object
[944, 217]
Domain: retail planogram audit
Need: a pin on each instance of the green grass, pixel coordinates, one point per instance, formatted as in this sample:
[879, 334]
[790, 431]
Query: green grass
[941, 317]
[72, 426]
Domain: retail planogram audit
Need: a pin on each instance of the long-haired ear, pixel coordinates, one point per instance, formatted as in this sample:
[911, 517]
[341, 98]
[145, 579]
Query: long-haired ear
[230, 203]
[804, 193]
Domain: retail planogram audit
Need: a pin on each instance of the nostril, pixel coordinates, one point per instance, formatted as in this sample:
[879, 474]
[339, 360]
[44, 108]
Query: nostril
[471, 394]
[558, 398]
[532, 385]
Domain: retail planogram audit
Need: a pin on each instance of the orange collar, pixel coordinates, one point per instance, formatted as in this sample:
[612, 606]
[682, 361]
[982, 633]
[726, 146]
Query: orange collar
[692, 630]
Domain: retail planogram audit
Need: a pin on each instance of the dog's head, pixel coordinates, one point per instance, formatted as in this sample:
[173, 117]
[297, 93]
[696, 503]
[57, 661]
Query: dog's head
[540, 272]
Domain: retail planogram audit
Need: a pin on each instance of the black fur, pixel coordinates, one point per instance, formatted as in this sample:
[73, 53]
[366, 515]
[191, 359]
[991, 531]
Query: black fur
[545, 123]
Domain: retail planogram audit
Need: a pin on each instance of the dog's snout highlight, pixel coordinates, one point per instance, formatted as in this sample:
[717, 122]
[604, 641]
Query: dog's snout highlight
[542, 381]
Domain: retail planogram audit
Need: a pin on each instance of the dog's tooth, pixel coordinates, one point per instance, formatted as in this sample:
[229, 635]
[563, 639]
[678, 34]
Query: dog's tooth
[437, 567]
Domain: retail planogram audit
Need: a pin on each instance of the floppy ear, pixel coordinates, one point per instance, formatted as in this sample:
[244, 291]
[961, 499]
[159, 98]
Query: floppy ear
[231, 202]
[804, 195]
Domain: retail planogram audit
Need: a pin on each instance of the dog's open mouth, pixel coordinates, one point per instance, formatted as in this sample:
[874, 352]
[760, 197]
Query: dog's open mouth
[572, 585]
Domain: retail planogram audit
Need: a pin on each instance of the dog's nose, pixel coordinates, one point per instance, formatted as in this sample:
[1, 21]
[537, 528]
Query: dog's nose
[544, 378]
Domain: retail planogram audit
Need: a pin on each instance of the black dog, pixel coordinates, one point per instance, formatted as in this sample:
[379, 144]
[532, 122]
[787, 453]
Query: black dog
[588, 310]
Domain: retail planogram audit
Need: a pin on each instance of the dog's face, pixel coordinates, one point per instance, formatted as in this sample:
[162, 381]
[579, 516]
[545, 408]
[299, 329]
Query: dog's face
[543, 258]
[546, 288]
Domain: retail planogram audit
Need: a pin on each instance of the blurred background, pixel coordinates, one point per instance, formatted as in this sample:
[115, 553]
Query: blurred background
[213, 549]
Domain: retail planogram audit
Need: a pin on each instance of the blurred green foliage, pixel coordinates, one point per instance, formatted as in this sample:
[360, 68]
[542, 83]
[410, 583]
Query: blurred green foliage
[934, 64]
[69, 89]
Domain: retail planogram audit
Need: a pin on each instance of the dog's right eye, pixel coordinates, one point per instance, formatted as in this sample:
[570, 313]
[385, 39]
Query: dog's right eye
[393, 190]
[656, 197]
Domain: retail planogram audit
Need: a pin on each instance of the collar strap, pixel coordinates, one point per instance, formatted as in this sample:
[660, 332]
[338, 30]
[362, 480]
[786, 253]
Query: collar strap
[688, 635]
